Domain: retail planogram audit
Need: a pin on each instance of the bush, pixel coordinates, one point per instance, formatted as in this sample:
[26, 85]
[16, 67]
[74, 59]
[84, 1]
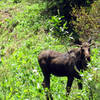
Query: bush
[56, 28]
[87, 23]
[17, 1]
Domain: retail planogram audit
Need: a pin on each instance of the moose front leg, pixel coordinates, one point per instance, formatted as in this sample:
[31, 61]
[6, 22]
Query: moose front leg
[69, 84]
[80, 83]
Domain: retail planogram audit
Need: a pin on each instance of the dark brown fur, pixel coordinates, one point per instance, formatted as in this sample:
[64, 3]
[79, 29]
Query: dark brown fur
[64, 64]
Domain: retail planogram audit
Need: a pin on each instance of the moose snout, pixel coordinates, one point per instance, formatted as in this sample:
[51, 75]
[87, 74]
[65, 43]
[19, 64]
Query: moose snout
[87, 55]
[88, 58]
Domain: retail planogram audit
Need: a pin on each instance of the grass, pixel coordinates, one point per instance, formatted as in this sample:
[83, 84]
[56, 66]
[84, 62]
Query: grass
[22, 38]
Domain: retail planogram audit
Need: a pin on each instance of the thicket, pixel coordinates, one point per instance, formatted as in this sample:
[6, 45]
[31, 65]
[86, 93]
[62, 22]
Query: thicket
[87, 24]
[76, 18]
[26, 29]
[64, 9]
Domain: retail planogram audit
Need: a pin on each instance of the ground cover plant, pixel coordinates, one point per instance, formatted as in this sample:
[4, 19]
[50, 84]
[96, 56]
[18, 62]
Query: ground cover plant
[25, 31]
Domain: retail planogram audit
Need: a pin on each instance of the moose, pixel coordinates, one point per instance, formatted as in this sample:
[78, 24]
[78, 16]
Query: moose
[64, 64]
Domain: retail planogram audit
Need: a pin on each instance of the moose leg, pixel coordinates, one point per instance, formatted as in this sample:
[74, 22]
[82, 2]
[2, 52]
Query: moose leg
[80, 82]
[46, 84]
[69, 84]
[46, 81]
[80, 85]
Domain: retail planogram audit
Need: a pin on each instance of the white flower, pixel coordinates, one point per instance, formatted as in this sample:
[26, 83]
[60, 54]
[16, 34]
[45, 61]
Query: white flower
[38, 85]
[90, 78]
[95, 69]
[82, 75]
[34, 71]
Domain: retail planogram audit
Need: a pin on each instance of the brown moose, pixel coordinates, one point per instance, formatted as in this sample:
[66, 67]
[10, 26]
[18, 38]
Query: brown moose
[64, 64]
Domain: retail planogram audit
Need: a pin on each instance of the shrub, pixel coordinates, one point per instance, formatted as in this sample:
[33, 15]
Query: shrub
[17, 1]
[87, 23]
[55, 26]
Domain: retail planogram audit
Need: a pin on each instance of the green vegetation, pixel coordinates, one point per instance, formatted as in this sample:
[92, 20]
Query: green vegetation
[25, 30]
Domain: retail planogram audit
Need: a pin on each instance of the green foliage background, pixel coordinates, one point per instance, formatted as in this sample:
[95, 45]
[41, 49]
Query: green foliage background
[25, 30]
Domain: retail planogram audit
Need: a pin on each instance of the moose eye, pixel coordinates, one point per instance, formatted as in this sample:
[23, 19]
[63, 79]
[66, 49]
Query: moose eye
[89, 49]
[82, 50]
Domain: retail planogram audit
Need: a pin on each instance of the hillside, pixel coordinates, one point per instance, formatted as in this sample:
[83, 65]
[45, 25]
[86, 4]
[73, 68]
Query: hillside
[27, 28]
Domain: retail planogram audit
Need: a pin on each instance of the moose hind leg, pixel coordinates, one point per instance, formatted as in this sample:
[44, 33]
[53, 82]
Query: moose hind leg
[46, 82]
[46, 86]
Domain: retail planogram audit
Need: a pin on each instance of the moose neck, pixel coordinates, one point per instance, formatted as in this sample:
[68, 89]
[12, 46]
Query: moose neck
[81, 63]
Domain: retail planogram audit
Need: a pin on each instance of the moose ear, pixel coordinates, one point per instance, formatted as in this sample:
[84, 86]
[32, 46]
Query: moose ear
[92, 44]
[89, 41]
